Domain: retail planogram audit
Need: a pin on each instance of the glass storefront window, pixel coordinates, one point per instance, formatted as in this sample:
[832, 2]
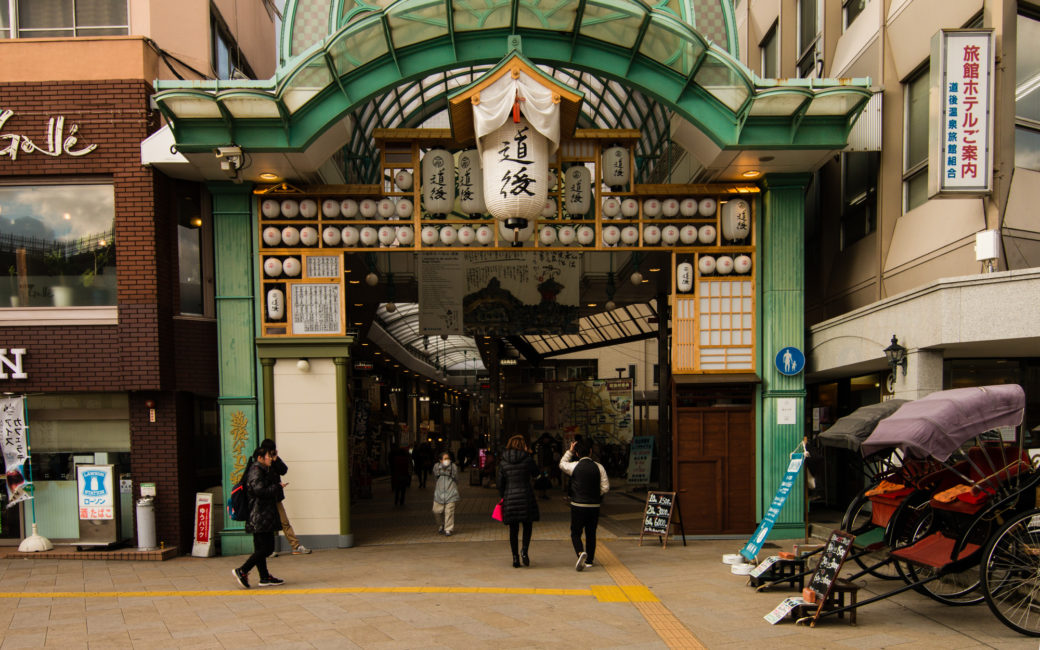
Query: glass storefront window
[1027, 93]
[189, 253]
[57, 244]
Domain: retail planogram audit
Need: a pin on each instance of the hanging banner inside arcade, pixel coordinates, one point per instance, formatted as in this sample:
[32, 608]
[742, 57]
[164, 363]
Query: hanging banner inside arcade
[600, 409]
[15, 444]
[504, 293]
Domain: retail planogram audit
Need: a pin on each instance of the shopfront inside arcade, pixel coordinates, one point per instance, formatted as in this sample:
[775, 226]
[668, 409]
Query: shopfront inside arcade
[505, 184]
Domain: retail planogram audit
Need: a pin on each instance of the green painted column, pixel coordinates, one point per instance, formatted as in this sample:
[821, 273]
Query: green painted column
[781, 255]
[233, 248]
[343, 406]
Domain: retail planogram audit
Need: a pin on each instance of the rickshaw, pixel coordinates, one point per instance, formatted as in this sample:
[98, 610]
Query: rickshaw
[979, 536]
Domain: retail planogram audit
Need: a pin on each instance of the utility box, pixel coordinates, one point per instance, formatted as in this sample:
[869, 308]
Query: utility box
[98, 500]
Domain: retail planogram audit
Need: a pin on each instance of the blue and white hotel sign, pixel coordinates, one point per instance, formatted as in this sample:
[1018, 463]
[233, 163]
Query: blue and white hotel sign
[94, 484]
[790, 361]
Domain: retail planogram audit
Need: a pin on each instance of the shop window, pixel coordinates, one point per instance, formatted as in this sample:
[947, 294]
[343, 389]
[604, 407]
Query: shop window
[63, 18]
[228, 61]
[859, 180]
[852, 9]
[57, 244]
[915, 165]
[1027, 91]
[194, 253]
[771, 55]
[808, 37]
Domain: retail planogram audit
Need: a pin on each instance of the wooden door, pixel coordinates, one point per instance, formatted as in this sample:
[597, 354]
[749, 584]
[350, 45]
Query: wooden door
[715, 468]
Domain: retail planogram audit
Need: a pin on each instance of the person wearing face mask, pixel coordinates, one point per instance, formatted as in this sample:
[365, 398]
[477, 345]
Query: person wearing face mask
[445, 494]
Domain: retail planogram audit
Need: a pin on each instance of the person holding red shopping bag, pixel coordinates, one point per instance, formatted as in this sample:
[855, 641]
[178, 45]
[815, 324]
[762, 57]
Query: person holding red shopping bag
[516, 469]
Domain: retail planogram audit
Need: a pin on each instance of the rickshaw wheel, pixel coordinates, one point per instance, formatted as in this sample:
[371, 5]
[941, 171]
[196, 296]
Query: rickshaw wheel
[1010, 573]
[960, 588]
[858, 520]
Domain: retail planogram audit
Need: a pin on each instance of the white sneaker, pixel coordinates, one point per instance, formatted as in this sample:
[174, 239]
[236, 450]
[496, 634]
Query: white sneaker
[301, 550]
[580, 564]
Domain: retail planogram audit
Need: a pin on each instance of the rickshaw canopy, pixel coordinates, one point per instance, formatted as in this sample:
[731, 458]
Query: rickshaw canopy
[850, 431]
[938, 424]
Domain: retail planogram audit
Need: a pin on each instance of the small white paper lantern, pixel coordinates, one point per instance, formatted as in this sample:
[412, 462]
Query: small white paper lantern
[331, 235]
[290, 209]
[566, 235]
[485, 235]
[706, 265]
[547, 235]
[275, 304]
[611, 235]
[615, 166]
[405, 235]
[688, 207]
[438, 181]
[742, 264]
[736, 219]
[387, 235]
[270, 209]
[272, 236]
[611, 208]
[448, 235]
[515, 161]
[290, 236]
[471, 183]
[330, 208]
[652, 235]
[670, 235]
[292, 267]
[670, 208]
[466, 235]
[404, 209]
[368, 208]
[351, 236]
[651, 208]
[707, 207]
[272, 267]
[630, 208]
[386, 208]
[308, 208]
[309, 236]
[688, 234]
[524, 234]
[403, 180]
[429, 235]
[577, 197]
[349, 208]
[629, 235]
[684, 277]
[549, 210]
[586, 235]
[369, 236]
[706, 234]
[724, 265]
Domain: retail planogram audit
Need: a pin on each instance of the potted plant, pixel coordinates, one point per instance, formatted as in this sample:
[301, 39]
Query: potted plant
[57, 263]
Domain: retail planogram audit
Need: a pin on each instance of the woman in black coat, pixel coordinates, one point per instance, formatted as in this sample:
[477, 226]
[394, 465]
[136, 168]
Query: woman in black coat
[263, 487]
[516, 468]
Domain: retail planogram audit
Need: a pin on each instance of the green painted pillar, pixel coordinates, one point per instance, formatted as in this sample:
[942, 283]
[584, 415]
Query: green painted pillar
[781, 255]
[343, 406]
[233, 247]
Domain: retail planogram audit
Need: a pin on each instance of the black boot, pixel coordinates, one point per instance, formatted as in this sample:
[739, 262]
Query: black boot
[516, 561]
[523, 556]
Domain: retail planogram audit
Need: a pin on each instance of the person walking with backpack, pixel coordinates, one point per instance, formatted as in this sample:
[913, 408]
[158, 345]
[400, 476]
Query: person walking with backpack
[280, 469]
[519, 507]
[588, 485]
[263, 487]
[445, 494]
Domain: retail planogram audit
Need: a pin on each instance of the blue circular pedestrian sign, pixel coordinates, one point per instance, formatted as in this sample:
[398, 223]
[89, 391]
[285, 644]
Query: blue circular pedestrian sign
[790, 361]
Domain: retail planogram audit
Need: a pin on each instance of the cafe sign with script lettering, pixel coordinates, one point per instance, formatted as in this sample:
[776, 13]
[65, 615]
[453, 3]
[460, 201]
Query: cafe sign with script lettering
[59, 140]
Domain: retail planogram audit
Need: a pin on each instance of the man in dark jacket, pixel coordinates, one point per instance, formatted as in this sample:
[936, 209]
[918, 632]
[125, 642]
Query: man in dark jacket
[588, 485]
[280, 469]
[262, 488]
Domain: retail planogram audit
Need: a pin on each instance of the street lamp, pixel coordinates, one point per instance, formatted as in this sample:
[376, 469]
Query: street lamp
[895, 355]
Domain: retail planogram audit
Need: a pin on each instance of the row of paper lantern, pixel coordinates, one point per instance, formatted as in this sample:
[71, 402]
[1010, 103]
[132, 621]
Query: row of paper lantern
[276, 267]
[709, 265]
[386, 208]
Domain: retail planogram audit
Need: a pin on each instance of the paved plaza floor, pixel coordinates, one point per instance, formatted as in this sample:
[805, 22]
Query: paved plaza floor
[405, 586]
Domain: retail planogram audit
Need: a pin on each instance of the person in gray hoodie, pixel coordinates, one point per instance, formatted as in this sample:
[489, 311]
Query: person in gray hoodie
[445, 494]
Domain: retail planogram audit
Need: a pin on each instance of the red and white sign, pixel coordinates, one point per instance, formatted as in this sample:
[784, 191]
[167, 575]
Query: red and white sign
[203, 546]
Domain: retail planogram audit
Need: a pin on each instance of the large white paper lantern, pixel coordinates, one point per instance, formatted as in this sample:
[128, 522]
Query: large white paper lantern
[615, 166]
[549, 211]
[670, 208]
[429, 235]
[309, 236]
[471, 183]
[272, 267]
[706, 265]
[386, 208]
[448, 235]
[369, 236]
[272, 236]
[586, 235]
[438, 181]
[292, 267]
[547, 235]
[403, 180]
[485, 235]
[368, 208]
[290, 209]
[566, 235]
[611, 235]
[275, 304]
[688, 207]
[308, 208]
[630, 235]
[611, 208]
[630, 208]
[670, 235]
[506, 235]
[684, 277]
[736, 219]
[330, 208]
[351, 236]
[651, 208]
[467, 235]
[652, 235]
[515, 161]
[271, 209]
[387, 235]
[405, 235]
[707, 207]
[404, 209]
[706, 235]
[290, 236]
[577, 197]
[349, 208]
[688, 234]
[331, 235]
[724, 265]
[742, 264]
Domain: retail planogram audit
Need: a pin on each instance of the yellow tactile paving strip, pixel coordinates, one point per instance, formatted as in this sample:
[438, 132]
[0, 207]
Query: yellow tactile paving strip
[668, 627]
[608, 596]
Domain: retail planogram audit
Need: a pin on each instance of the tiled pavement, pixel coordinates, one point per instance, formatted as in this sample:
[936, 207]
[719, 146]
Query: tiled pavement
[404, 586]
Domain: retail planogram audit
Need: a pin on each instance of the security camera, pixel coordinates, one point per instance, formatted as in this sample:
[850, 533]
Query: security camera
[228, 152]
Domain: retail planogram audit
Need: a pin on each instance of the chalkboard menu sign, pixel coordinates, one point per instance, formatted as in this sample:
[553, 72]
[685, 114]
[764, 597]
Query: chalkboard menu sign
[833, 557]
[657, 516]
